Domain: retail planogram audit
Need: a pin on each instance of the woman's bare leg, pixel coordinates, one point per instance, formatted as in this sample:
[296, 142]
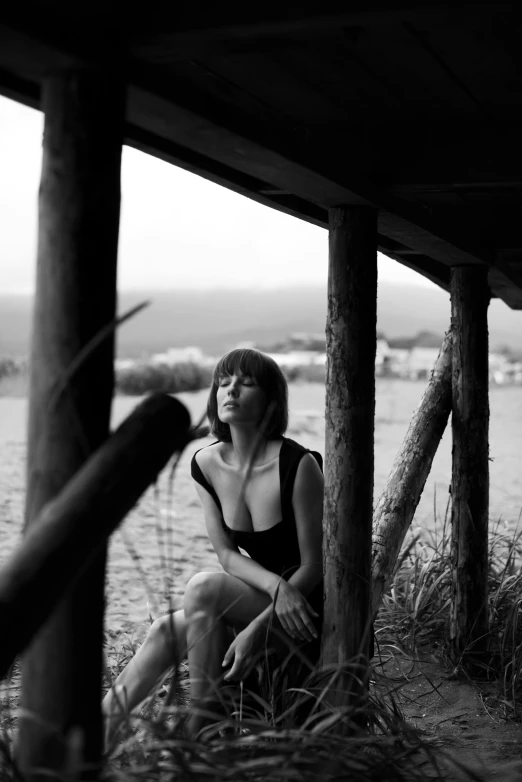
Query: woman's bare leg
[165, 644]
[213, 602]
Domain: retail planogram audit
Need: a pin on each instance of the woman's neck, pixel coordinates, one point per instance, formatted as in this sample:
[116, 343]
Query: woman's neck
[248, 445]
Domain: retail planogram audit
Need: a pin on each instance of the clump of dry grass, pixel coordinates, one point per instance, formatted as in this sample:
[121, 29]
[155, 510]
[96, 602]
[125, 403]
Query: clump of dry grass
[284, 732]
[415, 611]
[278, 733]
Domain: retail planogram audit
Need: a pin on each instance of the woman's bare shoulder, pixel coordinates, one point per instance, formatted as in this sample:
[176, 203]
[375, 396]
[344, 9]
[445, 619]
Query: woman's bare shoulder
[309, 470]
[208, 455]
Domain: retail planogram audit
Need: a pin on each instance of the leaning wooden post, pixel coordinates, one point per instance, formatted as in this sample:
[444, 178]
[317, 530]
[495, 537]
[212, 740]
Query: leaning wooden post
[349, 454]
[470, 473]
[397, 504]
[79, 205]
[76, 523]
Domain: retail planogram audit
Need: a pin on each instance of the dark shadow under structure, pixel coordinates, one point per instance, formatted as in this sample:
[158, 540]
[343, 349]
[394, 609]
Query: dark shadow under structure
[395, 126]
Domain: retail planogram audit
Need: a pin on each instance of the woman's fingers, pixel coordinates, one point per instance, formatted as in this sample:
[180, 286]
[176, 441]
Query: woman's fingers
[297, 629]
[228, 656]
[235, 671]
[240, 669]
[301, 628]
[296, 617]
[309, 625]
[310, 611]
[300, 623]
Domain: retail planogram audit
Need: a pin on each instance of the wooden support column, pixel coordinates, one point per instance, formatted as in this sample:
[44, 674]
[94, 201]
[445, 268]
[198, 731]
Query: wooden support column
[69, 411]
[349, 451]
[470, 473]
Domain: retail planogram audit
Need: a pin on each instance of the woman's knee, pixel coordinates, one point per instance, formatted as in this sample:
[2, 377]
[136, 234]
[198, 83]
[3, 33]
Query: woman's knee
[168, 632]
[203, 592]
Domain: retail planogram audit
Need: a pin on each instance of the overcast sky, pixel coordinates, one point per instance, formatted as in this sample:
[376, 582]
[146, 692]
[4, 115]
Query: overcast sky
[177, 230]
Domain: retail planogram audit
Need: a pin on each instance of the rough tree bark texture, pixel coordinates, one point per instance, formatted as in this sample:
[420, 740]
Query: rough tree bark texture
[350, 412]
[72, 528]
[79, 205]
[470, 475]
[399, 500]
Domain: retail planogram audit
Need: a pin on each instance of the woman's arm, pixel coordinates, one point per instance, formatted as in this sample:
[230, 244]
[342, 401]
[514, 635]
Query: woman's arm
[307, 501]
[232, 561]
[291, 608]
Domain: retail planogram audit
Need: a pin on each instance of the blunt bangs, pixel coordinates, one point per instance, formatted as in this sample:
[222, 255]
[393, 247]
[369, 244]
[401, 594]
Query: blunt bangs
[245, 361]
[267, 374]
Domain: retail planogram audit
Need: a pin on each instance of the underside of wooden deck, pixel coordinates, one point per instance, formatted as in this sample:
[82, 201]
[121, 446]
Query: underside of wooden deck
[415, 111]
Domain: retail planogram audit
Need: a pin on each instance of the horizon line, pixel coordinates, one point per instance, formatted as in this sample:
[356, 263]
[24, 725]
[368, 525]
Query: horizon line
[25, 293]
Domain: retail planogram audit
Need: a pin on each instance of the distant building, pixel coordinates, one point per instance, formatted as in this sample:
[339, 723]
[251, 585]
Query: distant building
[503, 371]
[298, 358]
[121, 364]
[421, 361]
[304, 341]
[382, 356]
[190, 355]
[397, 362]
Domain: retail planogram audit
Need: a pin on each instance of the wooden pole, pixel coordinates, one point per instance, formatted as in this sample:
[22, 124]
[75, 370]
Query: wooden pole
[72, 528]
[401, 495]
[470, 472]
[79, 205]
[349, 455]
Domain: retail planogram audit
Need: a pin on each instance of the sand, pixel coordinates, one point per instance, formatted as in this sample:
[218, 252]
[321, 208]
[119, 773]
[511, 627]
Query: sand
[163, 542]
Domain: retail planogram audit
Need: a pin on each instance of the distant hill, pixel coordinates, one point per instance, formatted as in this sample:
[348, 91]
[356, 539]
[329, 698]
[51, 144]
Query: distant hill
[218, 320]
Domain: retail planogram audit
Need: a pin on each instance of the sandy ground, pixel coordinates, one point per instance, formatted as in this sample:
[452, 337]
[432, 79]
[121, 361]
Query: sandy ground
[460, 717]
[163, 542]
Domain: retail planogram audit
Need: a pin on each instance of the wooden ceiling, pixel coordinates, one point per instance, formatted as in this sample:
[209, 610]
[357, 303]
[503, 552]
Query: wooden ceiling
[412, 108]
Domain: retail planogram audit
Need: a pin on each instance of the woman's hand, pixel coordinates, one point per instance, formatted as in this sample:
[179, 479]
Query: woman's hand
[294, 612]
[242, 653]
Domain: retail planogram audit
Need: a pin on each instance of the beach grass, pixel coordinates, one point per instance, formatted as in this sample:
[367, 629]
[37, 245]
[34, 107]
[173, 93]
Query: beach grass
[252, 738]
[416, 608]
[261, 735]
[264, 736]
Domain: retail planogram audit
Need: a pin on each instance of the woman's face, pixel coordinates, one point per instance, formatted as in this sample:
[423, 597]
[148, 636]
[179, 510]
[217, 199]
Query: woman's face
[240, 400]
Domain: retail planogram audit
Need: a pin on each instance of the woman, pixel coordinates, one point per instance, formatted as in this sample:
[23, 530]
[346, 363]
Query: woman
[261, 493]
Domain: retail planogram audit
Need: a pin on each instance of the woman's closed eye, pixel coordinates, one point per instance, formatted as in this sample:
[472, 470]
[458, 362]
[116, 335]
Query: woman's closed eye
[244, 381]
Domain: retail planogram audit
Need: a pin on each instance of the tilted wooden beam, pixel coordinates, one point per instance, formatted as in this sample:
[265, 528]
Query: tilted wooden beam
[253, 150]
[252, 21]
[505, 278]
[252, 159]
[72, 528]
[186, 24]
[285, 163]
[396, 507]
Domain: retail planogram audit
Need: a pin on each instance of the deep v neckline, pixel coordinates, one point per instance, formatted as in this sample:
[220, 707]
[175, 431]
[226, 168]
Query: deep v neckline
[268, 529]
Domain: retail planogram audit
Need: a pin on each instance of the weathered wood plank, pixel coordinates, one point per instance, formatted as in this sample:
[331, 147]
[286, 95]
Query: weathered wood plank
[78, 227]
[398, 502]
[470, 470]
[205, 135]
[505, 278]
[349, 451]
[72, 528]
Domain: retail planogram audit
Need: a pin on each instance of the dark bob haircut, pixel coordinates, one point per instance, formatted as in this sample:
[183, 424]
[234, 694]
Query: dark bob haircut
[269, 377]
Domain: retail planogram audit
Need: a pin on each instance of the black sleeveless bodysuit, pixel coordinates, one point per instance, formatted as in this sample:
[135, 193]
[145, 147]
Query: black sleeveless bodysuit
[277, 548]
